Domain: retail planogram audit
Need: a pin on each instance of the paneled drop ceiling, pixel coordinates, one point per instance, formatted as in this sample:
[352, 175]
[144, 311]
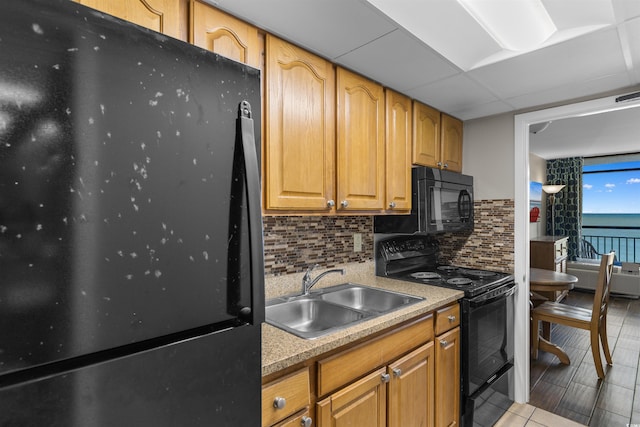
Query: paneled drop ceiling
[460, 69]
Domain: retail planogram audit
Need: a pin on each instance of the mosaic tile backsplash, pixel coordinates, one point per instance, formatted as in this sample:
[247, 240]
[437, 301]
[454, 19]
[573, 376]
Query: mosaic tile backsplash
[291, 243]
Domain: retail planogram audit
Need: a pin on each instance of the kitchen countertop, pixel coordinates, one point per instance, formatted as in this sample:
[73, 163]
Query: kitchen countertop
[281, 349]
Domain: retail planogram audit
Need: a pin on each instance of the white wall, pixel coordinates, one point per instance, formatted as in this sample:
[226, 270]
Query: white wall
[488, 156]
[538, 173]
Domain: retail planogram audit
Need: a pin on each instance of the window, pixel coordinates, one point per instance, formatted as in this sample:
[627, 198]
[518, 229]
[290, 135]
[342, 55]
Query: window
[611, 205]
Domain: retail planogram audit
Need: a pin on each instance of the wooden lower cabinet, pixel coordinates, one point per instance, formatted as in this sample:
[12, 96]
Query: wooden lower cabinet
[405, 377]
[447, 378]
[284, 397]
[411, 389]
[362, 403]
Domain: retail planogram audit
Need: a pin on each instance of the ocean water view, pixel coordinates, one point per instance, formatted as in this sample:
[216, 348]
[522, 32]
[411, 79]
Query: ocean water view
[624, 237]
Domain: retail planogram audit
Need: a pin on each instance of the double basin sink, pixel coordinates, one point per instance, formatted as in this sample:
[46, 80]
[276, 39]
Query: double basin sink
[331, 309]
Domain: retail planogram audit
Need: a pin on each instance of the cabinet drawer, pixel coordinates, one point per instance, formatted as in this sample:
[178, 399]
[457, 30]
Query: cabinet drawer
[342, 368]
[293, 388]
[447, 318]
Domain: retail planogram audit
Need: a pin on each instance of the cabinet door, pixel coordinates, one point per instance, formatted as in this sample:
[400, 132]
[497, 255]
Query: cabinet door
[447, 386]
[398, 151]
[451, 143]
[300, 132]
[296, 420]
[163, 16]
[362, 403]
[411, 389]
[223, 34]
[426, 135]
[360, 146]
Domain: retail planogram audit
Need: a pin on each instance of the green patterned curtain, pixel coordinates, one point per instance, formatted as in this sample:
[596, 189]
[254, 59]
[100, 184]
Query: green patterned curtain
[568, 202]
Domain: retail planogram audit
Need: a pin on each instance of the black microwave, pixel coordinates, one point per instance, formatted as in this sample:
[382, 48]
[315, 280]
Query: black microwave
[442, 202]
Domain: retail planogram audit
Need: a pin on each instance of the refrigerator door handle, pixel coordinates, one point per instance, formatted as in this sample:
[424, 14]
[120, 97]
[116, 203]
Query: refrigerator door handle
[250, 311]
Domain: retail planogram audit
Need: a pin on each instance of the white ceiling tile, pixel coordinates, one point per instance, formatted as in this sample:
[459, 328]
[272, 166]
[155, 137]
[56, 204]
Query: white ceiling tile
[465, 45]
[454, 93]
[587, 58]
[407, 63]
[571, 91]
[328, 27]
[482, 110]
[630, 42]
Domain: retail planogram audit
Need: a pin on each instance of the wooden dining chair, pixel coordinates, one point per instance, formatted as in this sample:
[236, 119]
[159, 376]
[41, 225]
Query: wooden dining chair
[593, 320]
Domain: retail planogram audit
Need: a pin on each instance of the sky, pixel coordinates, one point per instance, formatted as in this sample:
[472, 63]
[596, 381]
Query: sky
[611, 192]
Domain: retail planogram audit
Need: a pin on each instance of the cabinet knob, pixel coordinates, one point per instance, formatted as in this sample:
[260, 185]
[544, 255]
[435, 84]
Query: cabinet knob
[344, 203]
[306, 421]
[385, 378]
[443, 343]
[439, 164]
[451, 319]
[392, 205]
[331, 203]
[446, 165]
[279, 402]
[397, 372]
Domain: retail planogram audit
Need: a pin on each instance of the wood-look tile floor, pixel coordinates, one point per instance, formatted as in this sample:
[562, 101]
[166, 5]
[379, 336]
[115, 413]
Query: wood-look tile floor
[574, 391]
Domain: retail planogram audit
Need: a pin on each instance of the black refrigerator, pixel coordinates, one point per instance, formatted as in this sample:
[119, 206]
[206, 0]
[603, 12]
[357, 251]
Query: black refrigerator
[131, 269]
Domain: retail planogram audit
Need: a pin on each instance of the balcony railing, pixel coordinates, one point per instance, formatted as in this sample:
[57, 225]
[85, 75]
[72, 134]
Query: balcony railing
[627, 248]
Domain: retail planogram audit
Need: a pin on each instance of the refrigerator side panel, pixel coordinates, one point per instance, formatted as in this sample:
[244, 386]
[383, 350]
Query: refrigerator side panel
[213, 380]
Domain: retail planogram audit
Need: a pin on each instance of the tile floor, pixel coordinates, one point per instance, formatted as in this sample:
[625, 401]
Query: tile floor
[525, 415]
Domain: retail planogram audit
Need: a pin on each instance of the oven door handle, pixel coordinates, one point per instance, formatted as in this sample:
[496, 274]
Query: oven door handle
[491, 297]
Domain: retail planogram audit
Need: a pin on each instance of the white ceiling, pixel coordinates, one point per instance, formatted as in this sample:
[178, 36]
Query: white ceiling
[461, 71]
[614, 132]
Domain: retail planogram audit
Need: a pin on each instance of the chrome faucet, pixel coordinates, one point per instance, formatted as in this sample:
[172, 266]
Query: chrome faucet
[308, 283]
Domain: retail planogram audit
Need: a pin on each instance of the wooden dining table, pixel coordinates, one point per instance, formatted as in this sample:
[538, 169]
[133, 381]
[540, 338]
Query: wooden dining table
[541, 280]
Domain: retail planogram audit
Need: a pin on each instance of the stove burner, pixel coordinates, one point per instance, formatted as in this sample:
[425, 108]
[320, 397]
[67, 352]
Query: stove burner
[459, 281]
[425, 275]
[447, 268]
[480, 273]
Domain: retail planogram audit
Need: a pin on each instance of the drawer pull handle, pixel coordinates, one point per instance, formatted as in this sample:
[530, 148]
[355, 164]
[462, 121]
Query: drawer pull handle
[279, 402]
[397, 372]
[306, 422]
[385, 378]
[443, 343]
[451, 319]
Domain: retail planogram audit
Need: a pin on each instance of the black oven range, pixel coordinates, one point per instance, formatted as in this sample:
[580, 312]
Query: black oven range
[486, 325]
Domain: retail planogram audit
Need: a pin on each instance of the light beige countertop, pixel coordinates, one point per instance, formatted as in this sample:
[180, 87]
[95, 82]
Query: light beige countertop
[281, 349]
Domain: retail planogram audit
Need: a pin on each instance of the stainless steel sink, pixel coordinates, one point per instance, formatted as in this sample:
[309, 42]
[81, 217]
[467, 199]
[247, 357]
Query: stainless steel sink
[368, 299]
[330, 309]
[312, 317]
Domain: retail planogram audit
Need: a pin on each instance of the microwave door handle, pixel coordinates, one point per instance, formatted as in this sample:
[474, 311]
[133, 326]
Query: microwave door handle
[463, 197]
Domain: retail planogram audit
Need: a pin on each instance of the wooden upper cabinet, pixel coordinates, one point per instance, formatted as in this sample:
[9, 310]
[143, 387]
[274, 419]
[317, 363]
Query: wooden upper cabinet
[360, 144]
[164, 16]
[299, 154]
[426, 135]
[225, 35]
[451, 143]
[437, 139]
[398, 151]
